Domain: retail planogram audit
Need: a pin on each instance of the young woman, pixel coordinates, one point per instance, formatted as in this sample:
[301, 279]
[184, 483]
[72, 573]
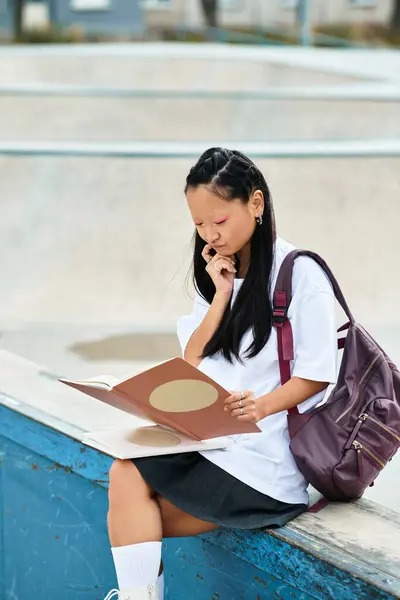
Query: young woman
[255, 483]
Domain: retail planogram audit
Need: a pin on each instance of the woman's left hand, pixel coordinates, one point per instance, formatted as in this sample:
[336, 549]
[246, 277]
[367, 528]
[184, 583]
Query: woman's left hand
[244, 406]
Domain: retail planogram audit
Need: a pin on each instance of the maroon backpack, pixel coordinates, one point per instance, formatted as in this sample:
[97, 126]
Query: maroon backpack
[342, 445]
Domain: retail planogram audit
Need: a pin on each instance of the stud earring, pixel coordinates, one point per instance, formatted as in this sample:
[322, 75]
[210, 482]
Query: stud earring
[259, 220]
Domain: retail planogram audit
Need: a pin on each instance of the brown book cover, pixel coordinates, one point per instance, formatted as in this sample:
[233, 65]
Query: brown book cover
[173, 394]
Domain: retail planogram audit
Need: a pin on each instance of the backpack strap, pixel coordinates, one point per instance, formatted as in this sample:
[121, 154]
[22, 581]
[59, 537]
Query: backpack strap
[281, 301]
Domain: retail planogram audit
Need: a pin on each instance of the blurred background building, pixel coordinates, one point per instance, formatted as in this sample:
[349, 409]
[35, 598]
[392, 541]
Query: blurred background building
[272, 20]
[259, 14]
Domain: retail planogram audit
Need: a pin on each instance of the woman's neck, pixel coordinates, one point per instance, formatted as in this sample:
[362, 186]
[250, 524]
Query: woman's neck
[244, 259]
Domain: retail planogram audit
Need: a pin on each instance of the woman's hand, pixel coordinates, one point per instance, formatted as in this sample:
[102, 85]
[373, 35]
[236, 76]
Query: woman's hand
[244, 406]
[221, 269]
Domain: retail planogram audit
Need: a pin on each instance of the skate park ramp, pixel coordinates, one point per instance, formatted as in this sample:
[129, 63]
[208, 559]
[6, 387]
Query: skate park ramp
[95, 250]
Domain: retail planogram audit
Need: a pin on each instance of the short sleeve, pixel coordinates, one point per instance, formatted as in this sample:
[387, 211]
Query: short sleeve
[312, 315]
[187, 324]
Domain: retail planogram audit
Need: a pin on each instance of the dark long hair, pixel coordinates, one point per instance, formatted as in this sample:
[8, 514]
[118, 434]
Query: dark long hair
[232, 175]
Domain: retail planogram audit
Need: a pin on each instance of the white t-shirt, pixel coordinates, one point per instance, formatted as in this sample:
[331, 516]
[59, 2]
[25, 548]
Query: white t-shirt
[264, 460]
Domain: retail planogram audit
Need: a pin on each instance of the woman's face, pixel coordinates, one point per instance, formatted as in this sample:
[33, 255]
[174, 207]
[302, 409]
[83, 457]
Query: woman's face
[227, 225]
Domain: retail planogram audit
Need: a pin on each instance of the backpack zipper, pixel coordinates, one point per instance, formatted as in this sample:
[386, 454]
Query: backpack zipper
[359, 447]
[355, 431]
[364, 416]
[358, 391]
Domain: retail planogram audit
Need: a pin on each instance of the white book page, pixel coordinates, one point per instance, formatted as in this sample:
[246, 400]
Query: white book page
[106, 382]
[148, 441]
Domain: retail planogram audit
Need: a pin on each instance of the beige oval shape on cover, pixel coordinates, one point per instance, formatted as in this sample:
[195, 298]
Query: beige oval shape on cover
[149, 436]
[184, 395]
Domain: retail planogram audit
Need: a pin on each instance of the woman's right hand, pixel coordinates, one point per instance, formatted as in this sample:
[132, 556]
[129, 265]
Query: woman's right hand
[221, 269]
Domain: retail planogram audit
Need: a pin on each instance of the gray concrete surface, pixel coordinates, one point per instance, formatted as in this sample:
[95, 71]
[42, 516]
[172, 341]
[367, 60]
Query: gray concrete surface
[140, 68]
[108, 241]
[94, 251]
[128, 119]
[19, 63]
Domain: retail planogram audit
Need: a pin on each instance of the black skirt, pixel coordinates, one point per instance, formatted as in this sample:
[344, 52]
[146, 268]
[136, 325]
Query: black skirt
[198, 487]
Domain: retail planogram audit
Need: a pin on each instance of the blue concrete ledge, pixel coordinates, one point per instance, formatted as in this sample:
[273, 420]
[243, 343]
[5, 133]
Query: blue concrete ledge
[54, 544]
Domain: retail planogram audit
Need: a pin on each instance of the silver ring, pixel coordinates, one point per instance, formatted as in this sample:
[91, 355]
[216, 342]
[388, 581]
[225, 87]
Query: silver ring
[242, 395]
[241, 411]
[240, 404]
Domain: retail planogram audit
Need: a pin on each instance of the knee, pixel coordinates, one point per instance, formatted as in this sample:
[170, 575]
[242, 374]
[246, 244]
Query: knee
[126, 483]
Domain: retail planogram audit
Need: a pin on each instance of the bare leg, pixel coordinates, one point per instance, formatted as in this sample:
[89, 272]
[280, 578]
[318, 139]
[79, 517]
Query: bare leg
[134, 514]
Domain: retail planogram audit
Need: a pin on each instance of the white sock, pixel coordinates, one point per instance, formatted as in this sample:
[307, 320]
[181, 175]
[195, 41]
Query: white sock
[161, 587]
[137, 565]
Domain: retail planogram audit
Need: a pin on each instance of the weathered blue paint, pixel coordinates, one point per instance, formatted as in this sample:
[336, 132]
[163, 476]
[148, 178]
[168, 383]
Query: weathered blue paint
[54, 530]
[55, 446]
[201, 566]
[123, 16]
[54, 544]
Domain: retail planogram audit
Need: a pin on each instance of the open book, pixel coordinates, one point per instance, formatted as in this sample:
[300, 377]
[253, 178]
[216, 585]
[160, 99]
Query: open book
[177, 397]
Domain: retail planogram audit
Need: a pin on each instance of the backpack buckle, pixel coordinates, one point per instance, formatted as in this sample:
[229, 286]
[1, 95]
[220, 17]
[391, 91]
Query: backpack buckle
[279, 315]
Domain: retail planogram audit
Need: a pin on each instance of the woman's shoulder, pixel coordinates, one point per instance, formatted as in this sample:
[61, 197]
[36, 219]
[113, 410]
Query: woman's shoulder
[308, 276]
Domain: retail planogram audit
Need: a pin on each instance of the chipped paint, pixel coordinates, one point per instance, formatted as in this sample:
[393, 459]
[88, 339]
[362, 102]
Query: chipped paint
[262, 581]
